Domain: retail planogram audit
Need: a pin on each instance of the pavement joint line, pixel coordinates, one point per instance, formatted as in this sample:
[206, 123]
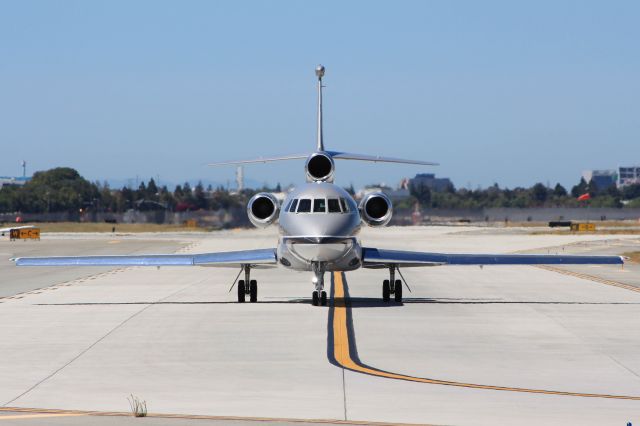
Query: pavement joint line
[590, 278]
[87, 349]
[38, 416]
[61, 412]
[343, 352]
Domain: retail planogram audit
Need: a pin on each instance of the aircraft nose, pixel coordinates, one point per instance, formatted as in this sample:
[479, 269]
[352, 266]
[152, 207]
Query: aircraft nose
[326, 252]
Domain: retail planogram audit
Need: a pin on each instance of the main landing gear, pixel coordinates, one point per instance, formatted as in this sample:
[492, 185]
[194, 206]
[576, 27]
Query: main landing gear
[247, 286]
[392, 287]
[319, 296]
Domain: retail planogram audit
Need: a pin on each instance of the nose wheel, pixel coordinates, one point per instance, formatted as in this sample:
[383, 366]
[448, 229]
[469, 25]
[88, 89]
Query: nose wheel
[392, 287]
[247, 287]
[319, 296]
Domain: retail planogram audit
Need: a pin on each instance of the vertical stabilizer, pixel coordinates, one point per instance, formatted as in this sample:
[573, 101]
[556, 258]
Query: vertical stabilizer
[320, 74]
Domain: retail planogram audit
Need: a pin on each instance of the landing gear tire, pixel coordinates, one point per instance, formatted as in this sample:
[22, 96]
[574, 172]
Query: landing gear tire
[314, 298]
[398, 291]
[386, 291]
[253, 291]
[323, 298]
[241, 291]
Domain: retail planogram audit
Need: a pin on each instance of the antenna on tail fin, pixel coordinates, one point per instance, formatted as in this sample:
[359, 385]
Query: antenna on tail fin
[320, 74]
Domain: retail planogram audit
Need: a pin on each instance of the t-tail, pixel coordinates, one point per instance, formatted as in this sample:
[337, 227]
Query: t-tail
[320, 164]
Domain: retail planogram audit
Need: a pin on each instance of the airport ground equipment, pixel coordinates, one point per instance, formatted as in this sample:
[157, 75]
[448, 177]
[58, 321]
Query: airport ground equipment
[24, 233]
[560, 223]
[319, 223]
[583, 227]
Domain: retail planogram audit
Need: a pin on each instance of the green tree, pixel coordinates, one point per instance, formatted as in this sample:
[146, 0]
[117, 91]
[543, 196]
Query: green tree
[56, 190]
[421, 192]
[631, 192]
[200, 196]
[152, 190]
[539, 193]
[579, 189]
[559, 191]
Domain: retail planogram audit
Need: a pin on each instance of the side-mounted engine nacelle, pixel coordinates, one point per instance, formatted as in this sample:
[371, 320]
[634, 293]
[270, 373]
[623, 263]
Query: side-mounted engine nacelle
[376, 209]
[319, 167]
[263, 209]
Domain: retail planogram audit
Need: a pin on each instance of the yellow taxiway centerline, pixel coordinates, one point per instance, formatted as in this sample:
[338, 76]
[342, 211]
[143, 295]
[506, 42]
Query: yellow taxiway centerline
[343, 338]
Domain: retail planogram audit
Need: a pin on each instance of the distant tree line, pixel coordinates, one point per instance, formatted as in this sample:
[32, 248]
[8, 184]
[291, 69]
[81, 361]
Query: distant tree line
[64, 190]
[539, 195]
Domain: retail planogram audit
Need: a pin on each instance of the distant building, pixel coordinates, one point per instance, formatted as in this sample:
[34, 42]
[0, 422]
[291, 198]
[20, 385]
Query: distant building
[603, 179]
[394, 194]
[431, 181]
[628, 175]
[17, 181]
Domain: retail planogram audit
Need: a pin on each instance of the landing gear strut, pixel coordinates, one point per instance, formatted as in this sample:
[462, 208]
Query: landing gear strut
[392, 286]
[247, 286]
[319, 296]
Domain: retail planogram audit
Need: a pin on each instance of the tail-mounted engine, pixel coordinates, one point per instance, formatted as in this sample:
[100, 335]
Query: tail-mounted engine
[263, 209]
[376, 209]
[319, 167]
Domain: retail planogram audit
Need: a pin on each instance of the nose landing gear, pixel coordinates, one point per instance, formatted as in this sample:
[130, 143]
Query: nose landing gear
[319, 296]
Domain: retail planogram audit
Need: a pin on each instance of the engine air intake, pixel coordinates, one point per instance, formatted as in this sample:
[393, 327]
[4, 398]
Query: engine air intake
[263, 209]
[376, 209]
[319, 167]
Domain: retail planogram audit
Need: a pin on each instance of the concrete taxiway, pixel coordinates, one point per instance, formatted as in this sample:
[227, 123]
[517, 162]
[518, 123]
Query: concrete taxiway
[497, 345]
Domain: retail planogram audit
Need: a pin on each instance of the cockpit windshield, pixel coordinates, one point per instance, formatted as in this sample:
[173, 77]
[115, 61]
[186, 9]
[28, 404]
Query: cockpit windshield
[304, 206]
[345, 206]
[318, 205]
[334, 206]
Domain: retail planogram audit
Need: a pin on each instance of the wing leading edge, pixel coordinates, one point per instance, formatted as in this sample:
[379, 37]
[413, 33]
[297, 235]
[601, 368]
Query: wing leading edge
[260, 257]
[378, 258]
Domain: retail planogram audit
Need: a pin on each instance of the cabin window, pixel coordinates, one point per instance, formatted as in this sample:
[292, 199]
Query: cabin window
[334, 205]
[345, 206]
[304, 206]
[293, 205]
[319, 205]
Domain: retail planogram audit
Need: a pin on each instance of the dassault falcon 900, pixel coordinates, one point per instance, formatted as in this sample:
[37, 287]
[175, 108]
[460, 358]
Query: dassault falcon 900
[318, 223]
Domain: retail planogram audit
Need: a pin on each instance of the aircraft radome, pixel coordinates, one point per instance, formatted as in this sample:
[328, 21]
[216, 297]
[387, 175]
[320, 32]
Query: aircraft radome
[319, 223]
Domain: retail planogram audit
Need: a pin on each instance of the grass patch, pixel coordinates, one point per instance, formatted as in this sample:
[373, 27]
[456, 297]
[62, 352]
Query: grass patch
[138, 406]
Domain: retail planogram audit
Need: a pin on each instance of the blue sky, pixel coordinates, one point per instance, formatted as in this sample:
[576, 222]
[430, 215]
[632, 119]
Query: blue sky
[497, 91]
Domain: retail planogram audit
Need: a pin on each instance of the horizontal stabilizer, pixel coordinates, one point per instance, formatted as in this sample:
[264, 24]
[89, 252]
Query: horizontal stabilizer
[336, 155]
[261, 160]
[376, 158]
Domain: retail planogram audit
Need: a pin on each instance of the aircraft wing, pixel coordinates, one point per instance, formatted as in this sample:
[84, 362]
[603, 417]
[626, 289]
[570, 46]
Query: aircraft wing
[257, 258]
[380, 258]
